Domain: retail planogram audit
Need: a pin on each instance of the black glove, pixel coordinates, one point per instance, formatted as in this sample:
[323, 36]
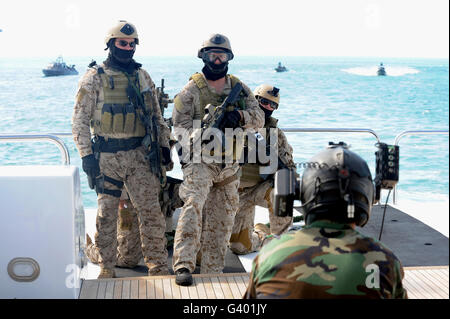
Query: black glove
[232, 119]
[90, 165]
[166, 156]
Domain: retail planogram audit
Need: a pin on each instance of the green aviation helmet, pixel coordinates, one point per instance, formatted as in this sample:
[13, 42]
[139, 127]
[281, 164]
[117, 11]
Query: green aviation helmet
[337, 186]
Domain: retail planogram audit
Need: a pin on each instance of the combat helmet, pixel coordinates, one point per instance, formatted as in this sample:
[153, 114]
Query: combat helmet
[337, 185]
[122, 29]
[216, 41]
[268, 92]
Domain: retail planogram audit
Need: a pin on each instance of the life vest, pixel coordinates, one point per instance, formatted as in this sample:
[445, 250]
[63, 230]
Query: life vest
[114, 115]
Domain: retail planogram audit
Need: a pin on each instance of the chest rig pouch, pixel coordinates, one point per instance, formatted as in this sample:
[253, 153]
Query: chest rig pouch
[115, 116]
[207, 97]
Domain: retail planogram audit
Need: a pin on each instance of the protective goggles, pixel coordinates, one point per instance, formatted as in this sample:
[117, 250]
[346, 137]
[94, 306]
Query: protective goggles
[213, 55]
[124, 43]
[267, 102]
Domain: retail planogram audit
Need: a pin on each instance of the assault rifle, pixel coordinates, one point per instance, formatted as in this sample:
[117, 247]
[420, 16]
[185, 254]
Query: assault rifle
[164, 100]
[215, 116]
[150, 122]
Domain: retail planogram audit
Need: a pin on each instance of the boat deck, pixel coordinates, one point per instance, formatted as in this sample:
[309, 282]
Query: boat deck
[420, 282]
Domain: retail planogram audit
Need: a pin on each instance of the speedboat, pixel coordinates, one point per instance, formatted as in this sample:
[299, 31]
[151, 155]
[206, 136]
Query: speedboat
[59, 67]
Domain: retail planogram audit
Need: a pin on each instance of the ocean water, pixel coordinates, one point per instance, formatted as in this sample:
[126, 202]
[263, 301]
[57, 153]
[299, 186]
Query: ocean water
[315, 93]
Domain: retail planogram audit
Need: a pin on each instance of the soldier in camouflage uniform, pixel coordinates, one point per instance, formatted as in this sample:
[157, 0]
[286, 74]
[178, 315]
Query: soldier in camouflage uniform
[254, 190]
[129, 251]
[328, 258]
[111, 101]
[209, 191]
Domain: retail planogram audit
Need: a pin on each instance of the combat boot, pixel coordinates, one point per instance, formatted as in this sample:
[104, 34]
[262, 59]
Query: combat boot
[106, 273]
[184, 277]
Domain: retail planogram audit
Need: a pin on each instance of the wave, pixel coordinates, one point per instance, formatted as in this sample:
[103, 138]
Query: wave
[390, 71]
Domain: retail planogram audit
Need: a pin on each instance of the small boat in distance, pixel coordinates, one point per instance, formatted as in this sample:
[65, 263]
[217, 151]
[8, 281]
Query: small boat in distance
[59, 67]
[381, 71]
[280, 68]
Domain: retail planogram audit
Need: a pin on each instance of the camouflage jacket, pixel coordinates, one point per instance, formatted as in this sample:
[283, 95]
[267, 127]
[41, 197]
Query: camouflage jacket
[284, 149]
[190, 97]
[325, 260]
[88, 95]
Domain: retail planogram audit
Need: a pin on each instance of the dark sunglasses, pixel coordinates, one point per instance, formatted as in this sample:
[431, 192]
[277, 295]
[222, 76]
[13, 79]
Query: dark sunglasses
[124, 43]
[268, 102]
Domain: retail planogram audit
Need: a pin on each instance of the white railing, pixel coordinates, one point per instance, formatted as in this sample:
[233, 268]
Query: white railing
[53, 138]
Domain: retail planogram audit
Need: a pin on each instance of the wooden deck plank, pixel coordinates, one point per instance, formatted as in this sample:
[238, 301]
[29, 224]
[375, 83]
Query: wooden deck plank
[217, 288]
[109, 293]
[422, 288]
[198, 282]
[421, 291]
[434, 276]
[134, 289]
[126, 286]
[193, 294]
[210, 294]
[89, 289]
[101, 289]
[234, 288]
[241, 284]
[412, 294]
[118, 289]
[438, 280]
[225, 288]
[442, 274]
[433, 286]
[167, 289]
[159, 289]
[176, 292]
[151, 294]
[411, 288]
[142, 289]
[429, 287]
[184, 292]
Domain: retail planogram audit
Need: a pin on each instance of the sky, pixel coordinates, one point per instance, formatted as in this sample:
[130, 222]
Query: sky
[354, 28]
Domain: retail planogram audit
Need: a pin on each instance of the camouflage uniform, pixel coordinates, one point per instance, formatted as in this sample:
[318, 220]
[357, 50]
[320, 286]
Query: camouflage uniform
[128, 166]
[129, 251]
[253, 190]
[209, 191]
[325, 260]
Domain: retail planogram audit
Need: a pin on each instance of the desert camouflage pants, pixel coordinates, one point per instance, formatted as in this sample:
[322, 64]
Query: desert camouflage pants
[244, 238]
[143, 189]
[206, 219]
[129, 252]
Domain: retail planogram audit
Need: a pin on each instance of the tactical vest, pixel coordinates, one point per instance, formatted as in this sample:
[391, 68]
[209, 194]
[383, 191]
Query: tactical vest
[250, 172]
[208, 97]
[114, 115]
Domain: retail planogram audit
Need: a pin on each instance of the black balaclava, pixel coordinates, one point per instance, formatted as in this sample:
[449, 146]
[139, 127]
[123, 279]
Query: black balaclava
[120, 59]
[267, 113]
[214, 71]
